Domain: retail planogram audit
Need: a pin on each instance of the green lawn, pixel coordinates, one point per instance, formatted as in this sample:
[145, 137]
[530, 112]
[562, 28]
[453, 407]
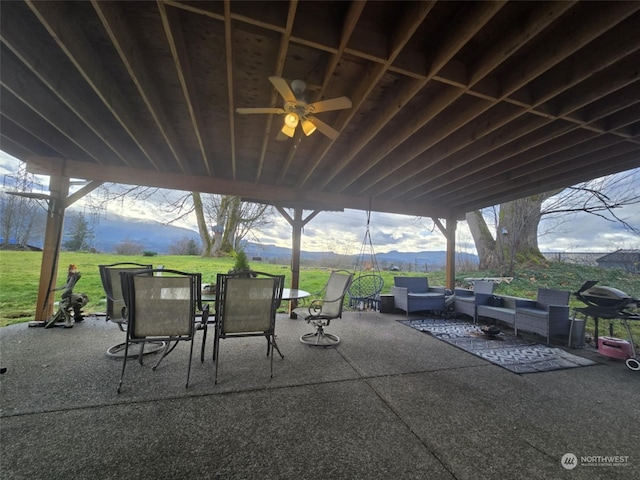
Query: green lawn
[19, 277]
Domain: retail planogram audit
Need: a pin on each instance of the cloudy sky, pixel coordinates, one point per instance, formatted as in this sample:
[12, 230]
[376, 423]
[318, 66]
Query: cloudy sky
[344, 232]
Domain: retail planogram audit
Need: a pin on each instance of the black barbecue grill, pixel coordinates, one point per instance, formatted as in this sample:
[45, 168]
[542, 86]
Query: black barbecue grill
[609, 303]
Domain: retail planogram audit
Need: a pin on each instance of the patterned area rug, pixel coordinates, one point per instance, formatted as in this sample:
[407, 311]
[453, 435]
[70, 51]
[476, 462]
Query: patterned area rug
[515, 354]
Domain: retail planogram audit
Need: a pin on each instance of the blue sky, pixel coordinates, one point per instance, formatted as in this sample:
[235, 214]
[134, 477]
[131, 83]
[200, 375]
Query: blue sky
[343, 232]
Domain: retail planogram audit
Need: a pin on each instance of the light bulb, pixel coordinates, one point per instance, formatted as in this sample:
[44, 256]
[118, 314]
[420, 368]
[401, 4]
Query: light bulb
[288, 131]
[308, 127]
[291, 120]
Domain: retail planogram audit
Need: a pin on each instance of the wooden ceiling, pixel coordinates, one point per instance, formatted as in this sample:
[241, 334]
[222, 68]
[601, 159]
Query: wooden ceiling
[455, 105]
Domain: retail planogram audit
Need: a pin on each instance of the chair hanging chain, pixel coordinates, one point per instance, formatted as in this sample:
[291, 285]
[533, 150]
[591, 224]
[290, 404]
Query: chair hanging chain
[367, 242]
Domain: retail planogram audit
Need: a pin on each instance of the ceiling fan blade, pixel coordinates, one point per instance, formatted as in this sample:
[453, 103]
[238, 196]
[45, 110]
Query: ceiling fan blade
[339, 103]
[284, 89]
[324, 128]
[260, 110]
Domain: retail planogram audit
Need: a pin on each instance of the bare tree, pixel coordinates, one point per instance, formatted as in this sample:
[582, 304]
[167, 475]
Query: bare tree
[224, 221]
[18, 212]
[514, 238]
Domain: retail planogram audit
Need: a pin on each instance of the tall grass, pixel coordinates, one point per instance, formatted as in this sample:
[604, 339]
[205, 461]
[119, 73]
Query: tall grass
[20, 272]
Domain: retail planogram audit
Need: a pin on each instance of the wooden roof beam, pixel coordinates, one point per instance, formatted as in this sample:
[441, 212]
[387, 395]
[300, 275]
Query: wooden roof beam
[73, 43]
[412, 19]
[176, 41]
[517, 82]
[64, 87]
[117, 27]
[282, 196]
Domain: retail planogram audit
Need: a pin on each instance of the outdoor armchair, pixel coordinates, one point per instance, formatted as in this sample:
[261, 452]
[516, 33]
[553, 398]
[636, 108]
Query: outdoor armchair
[413, 294]
[246, 305]
[161, 308]
[466, 300]
[321, 311]
[548, 315]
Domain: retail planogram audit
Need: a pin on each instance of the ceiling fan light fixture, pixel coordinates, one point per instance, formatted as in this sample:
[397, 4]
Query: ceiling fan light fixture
[308, 127]
[288, 131]
[291, 120]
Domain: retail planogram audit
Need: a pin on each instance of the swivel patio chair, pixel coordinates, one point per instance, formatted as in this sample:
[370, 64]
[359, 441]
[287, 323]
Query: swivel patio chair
[321, 311]
[161, 308]
[246, 305]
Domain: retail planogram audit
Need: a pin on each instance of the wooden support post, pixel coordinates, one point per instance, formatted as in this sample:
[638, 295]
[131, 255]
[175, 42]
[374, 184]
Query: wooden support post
[295, 255]
[59, 188]
[449, 232]
[297, 223]
[452, 224]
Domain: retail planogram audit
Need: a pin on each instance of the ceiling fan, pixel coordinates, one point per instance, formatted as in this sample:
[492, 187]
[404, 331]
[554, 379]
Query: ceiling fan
[297, 111]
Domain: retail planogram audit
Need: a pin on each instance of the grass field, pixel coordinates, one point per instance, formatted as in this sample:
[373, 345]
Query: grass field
[20, 271]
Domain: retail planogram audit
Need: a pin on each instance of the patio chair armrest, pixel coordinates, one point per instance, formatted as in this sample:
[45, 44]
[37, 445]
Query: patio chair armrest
[463, 292]
[402, 292]
[524, 303]
[483, 298]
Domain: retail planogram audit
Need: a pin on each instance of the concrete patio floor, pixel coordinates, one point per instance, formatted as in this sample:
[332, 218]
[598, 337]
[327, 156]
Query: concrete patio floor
[388, 403]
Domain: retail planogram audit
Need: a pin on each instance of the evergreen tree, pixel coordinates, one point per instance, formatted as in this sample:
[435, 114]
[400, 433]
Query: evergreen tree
[80, 234]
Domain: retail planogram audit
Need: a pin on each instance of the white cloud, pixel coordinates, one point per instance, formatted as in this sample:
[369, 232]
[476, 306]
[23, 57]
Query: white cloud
[344, 232]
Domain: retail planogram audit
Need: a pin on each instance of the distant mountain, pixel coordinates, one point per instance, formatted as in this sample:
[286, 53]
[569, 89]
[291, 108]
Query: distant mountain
[153, 236]
[158, 237]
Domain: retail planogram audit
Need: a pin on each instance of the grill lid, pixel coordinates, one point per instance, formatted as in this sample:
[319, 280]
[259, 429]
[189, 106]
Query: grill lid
[605, 297]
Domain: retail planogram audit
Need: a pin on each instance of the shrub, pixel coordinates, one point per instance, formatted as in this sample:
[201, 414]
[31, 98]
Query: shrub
[129, 247]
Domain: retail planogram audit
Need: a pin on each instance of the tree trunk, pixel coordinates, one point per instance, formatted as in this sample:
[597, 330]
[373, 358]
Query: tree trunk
[205, 236]
[485, 244]
[516, 237]
[518, 231]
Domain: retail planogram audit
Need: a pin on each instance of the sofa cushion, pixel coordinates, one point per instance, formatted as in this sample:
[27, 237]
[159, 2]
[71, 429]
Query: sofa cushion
[504, 314]
[535, 312]
[425, 295]
[469, 299]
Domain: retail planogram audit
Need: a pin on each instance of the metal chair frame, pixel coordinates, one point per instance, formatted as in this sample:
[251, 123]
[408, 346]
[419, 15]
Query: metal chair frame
[321, 311]
[246, 305]
[149, 299]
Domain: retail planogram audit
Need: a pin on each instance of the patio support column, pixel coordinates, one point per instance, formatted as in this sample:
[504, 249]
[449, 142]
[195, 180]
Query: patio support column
[297, 223]
[449, 232]
[58, 202]
[59, 188]
[452, 225]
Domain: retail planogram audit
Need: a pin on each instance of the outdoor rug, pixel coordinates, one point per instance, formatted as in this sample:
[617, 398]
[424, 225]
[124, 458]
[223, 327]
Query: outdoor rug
[515, 354]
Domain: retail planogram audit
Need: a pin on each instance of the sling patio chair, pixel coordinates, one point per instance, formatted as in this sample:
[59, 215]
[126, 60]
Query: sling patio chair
[112, 285]
[321, 311]
[161, 308]
[246, 305]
